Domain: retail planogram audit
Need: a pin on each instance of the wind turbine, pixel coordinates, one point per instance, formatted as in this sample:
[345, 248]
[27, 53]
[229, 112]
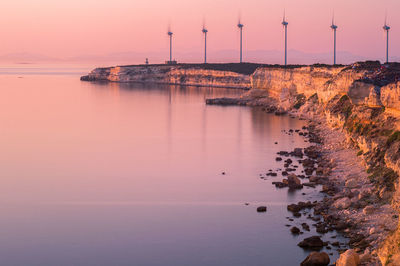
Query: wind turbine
[285, 24]
[205, 31]
[386, 28]
[240, 26]
[170, 33]
[334, 28]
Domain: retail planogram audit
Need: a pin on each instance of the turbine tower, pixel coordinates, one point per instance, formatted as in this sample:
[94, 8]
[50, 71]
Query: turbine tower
[170, 45]
[285, 24]
[386, 28]
[240, 26]
[334, 28]
[205, 31]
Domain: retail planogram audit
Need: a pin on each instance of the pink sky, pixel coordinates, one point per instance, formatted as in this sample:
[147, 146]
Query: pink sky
[76, 27]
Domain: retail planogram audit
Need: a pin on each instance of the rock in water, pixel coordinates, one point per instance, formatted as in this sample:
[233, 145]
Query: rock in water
[349, 258]
[316, 259]
[295, 230]
[313, 242]
[294, 182]
[298, 152]
[262, 209]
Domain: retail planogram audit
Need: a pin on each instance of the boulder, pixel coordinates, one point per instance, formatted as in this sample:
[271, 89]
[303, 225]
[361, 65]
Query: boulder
[295, 230]
[368, 210]
[348, 258]
[294, 182]
[352, 183]
[305, 226]
[316, 259]
[342, 203]
[309, 171]
[313, 242]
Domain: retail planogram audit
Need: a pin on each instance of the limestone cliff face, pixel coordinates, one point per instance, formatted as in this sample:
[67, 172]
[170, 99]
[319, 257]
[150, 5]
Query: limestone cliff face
[281, 82]
[284, 84]
[155, 74]
[164, 74]
[212, 78]
[390, 95]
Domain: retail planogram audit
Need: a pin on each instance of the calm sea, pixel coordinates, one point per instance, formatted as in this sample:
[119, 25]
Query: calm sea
[129, 174]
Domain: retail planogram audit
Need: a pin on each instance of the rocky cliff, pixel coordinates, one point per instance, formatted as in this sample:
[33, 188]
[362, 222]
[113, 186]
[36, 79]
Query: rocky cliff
[210, 75]
[362, 100]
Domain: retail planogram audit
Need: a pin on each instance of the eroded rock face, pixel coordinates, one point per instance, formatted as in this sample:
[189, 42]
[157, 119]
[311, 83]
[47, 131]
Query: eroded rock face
[285, 84]
[166, 74]
[390, 95]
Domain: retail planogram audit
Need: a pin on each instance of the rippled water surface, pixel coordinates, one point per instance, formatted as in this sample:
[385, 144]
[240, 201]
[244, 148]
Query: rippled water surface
[129, 174]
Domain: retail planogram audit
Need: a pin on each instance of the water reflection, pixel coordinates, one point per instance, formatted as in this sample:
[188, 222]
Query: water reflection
[130, 174]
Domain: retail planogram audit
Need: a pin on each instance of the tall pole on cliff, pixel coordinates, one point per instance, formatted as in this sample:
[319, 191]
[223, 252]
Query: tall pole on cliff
[386, 28]
[240, 26]
[205, 31]
[170, 45]
[285, 24]
[334, 28]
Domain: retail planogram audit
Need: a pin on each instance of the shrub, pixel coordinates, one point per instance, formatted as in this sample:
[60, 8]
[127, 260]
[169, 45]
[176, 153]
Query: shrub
[393, 138]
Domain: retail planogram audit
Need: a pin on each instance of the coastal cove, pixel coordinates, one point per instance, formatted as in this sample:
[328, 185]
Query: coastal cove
[121, 179]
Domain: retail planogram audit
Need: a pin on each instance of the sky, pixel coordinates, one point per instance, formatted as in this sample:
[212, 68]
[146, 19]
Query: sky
[77, 28]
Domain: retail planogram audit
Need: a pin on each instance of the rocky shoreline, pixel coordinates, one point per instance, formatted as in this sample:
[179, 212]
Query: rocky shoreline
[352, 203]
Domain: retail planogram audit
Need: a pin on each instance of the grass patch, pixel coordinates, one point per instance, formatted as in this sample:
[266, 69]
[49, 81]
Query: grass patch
[393, 138]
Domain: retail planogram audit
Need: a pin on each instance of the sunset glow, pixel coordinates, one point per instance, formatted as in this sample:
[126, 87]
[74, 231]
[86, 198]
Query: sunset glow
[65, 29]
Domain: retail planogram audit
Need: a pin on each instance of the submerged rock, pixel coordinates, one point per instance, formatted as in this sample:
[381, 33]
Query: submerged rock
[262, 209]
[279, 184]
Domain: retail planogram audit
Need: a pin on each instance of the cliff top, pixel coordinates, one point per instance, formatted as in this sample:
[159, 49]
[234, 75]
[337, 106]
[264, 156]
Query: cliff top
[240, 68]
[377, 74]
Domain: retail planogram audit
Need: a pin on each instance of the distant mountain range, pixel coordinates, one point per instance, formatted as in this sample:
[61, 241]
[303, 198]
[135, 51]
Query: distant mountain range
[256, 56]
